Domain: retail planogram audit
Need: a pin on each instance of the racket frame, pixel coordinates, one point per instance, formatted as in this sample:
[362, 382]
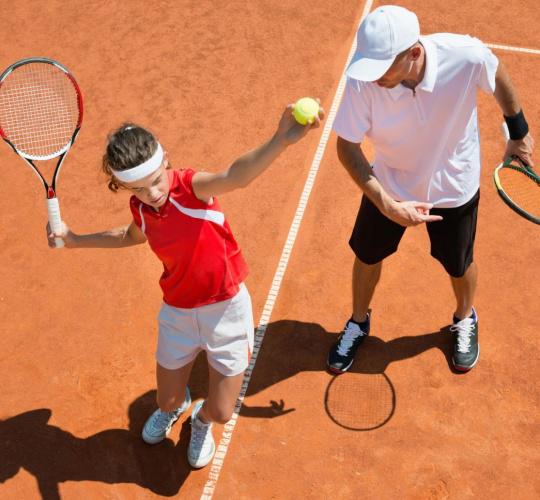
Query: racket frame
[524, 170]
[53, 208]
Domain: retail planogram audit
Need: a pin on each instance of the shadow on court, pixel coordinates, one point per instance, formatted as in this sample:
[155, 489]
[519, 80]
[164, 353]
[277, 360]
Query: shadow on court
[53, 455]
[292, 347]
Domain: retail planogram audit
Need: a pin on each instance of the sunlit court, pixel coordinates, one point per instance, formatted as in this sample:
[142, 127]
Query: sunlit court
[201, 90]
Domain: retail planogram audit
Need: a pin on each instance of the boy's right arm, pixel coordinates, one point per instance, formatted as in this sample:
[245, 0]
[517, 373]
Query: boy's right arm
[119, 237]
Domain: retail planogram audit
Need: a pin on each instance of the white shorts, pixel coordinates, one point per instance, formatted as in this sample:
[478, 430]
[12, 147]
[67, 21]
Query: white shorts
[224, 330]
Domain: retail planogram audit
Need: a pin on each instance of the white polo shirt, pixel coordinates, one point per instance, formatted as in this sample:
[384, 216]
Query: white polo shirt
[426, 142]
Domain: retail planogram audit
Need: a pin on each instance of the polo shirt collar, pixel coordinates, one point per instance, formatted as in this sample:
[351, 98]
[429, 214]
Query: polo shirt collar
[430, 73]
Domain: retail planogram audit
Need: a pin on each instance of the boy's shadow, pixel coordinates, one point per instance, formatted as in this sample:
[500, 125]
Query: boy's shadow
[54, 455]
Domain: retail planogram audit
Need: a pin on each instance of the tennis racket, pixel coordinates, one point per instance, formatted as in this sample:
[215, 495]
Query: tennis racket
[519, 186]
[41, 110]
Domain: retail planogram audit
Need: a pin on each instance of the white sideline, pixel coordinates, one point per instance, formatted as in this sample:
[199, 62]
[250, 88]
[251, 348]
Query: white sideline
[221, 451]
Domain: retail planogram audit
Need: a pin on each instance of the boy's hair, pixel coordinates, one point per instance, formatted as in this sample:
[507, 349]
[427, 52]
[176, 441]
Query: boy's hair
[127, 147]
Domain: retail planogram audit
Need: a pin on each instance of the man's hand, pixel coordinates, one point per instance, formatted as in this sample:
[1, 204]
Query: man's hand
[410, 213]
[522, 148]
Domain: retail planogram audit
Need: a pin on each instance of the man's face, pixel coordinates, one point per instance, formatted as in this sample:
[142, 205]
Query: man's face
[398, 72]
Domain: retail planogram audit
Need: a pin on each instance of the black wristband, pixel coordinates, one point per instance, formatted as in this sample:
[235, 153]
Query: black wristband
[518, 127]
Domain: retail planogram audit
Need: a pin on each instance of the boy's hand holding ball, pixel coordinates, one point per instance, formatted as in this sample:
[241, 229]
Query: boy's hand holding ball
[298, 119]
[306, 110]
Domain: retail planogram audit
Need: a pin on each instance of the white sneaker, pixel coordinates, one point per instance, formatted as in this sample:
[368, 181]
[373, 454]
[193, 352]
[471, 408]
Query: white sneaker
[158, 426]
[201, 444]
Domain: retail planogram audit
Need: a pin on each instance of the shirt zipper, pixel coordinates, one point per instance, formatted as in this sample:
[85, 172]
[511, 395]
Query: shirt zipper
[418, 107]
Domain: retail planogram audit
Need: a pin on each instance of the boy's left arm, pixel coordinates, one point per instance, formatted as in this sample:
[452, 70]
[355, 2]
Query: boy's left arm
[252, 164]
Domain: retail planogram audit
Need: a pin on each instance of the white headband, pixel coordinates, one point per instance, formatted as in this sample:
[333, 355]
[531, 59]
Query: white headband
[142, 170]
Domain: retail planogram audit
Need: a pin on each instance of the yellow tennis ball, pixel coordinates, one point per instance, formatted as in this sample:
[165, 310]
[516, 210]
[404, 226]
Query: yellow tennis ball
[305, 110]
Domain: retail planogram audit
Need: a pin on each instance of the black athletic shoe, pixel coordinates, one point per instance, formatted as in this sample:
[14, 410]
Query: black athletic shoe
[341, 355]
[466, 347]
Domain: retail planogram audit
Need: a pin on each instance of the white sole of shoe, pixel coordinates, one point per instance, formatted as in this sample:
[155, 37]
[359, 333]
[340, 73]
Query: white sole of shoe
[467, 368]
[199, 464]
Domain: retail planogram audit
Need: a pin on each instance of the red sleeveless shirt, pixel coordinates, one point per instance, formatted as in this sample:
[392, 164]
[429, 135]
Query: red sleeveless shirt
[202, 262]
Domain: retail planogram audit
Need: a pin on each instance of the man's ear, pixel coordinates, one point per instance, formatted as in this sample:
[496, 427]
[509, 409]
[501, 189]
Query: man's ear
[415, 52]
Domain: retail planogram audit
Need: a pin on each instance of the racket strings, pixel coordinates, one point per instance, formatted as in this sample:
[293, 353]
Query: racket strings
[522, 189]
[39, 109]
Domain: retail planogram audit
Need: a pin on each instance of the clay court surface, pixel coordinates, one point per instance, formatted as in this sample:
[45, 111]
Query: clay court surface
[78, 327]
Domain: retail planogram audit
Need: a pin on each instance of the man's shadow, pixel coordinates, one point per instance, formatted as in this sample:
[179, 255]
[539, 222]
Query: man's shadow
[292, 347]
[54, 455]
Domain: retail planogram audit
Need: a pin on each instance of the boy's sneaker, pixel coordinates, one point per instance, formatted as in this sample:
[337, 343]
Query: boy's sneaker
[201, 444]
[466, 347]
[158, 426]
[341, 355]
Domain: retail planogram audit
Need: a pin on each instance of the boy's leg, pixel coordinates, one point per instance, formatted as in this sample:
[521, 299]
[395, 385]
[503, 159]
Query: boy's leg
[222, 395]
[171, 386]
[173, 399]
[218, 407]
[227, 330]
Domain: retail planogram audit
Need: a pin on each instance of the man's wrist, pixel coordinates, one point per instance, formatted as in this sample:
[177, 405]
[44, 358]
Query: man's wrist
[387, 204]
[518, 127]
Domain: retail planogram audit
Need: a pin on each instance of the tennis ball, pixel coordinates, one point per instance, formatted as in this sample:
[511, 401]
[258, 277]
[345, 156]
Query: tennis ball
[305, 110]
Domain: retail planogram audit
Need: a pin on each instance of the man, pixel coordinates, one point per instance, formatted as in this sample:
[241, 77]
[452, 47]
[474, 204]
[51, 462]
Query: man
[415, 98]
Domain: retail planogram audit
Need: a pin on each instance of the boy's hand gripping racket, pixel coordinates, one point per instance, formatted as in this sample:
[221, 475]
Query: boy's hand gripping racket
[519, 186]
[41, 110]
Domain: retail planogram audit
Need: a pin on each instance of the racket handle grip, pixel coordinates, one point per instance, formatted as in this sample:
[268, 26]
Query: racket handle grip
[55, 221]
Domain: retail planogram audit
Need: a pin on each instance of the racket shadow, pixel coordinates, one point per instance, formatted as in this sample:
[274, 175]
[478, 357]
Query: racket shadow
[360, 401]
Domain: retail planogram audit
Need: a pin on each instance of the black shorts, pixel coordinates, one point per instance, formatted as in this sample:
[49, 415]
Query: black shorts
[375, 237]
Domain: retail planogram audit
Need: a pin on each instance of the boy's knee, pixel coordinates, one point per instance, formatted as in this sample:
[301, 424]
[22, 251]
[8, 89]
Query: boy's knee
[220, 415]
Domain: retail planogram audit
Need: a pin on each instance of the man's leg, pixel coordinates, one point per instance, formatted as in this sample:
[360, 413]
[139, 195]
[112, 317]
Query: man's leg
[452, 243]
[465, 322]
[374, 238]
[365, 279]
[464, 290]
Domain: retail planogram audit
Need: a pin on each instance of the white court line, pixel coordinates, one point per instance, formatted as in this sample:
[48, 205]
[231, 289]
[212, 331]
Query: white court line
[221, 451]
[513, 49]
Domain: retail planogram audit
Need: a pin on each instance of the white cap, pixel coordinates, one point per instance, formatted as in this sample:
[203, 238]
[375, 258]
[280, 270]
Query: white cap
[384, 33]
